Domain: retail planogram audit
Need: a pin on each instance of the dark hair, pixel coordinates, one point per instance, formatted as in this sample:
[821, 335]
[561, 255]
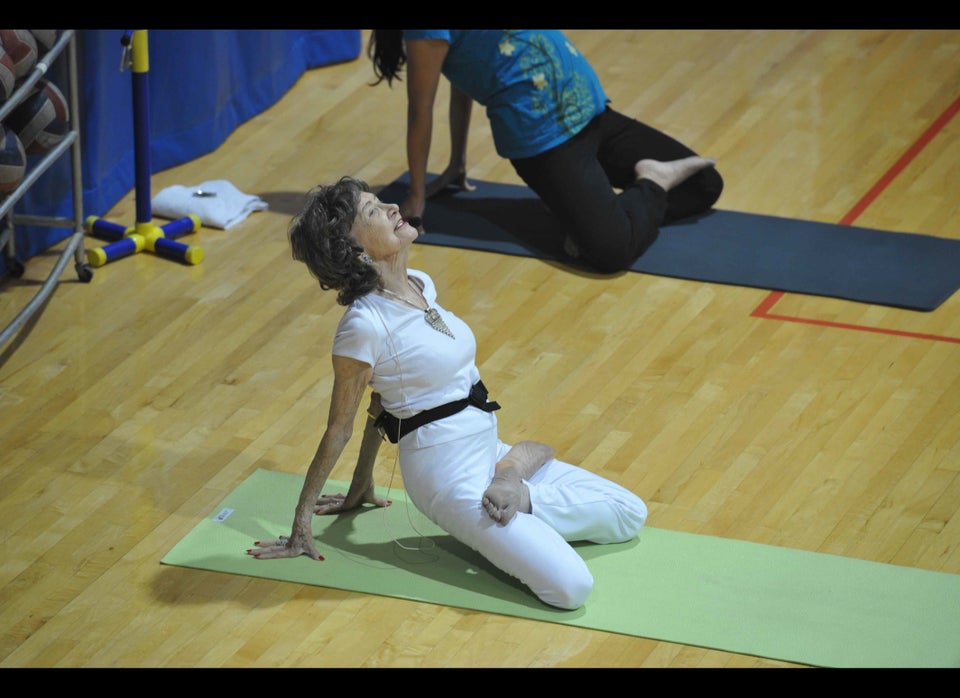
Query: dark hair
[320, 238]
[385, 49]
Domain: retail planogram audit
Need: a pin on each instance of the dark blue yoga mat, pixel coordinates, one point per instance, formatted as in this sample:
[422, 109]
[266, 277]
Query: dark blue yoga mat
[903, 270]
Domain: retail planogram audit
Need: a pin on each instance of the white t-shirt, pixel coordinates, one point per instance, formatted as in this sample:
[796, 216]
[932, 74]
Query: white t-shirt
[415, 367]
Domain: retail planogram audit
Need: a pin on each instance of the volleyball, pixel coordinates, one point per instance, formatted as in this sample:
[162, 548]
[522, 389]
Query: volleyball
[45, 38]
[13, 161]
[8, 75]
[41, 119]
[21, 45]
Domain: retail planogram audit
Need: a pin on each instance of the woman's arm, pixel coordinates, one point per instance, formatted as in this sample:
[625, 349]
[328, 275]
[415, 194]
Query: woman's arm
[461, 107]
[424, 63]
[351, 378]
[362, 489]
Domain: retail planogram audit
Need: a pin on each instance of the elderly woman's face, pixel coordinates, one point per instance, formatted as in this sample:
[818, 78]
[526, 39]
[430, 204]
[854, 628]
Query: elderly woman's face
[379, 229]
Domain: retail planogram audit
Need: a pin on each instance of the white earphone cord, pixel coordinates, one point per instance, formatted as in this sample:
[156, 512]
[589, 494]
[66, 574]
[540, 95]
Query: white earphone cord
[396, 358]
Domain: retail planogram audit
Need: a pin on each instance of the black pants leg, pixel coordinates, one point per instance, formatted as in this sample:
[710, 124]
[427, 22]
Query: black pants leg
[576, 180]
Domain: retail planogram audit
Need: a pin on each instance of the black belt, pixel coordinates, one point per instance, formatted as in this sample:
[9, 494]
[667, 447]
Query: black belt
[395, 429]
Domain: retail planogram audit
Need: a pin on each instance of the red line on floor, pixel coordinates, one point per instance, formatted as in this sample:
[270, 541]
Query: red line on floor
[763, 309]
[862, 328]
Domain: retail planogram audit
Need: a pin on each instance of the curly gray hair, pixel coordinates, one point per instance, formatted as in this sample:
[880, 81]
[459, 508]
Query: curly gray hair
[320, 238]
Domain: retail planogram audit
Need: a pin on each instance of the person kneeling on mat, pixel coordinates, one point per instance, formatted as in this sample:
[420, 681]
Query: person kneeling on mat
[549, 115]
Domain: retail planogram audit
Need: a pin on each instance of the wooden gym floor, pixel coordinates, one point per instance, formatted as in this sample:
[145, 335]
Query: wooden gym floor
[130, 406]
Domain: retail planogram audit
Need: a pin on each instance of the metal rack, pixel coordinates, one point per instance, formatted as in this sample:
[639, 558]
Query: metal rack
[71, 142]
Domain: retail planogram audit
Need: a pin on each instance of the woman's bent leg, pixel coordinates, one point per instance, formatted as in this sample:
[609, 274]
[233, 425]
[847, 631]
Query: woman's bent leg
[610, 230]
[446, 483]
[581, 505]
[526, 548]
[577, 181]
[626, 141]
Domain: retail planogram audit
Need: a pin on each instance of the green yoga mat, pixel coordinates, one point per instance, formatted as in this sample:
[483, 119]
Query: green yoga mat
[761, 600]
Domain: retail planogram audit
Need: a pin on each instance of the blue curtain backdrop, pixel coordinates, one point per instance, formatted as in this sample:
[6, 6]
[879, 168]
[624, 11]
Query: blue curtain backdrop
[203, 83]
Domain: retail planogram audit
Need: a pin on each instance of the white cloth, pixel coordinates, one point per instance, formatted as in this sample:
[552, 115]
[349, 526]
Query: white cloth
[448, 464]
[224, 207]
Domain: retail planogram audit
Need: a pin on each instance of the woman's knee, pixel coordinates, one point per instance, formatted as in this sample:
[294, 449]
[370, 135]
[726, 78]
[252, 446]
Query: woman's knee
[624, 519]
[633, 516]
[613, 242]
[612, 256]
[569, 593]
[712, 185]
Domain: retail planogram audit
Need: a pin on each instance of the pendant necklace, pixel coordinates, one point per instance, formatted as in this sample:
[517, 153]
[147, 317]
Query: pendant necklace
[429, 314]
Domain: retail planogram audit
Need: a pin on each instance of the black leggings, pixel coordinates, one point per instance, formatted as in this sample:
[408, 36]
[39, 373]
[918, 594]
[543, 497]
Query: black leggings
[576, 180]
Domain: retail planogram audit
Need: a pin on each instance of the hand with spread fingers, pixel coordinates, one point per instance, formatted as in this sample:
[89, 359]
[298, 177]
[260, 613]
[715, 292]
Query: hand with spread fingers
[283, 546]
[336, 503]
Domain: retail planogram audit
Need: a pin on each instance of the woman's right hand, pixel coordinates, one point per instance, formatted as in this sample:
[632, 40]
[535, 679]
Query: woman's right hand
[339, 503]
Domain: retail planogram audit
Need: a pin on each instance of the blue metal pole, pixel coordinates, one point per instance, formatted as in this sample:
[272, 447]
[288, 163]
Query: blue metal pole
[141, 124]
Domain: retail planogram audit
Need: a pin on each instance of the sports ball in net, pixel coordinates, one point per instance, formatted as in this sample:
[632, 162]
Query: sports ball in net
[8, 76]
[45, 38]
[41, 120]
[21, 45]
[13, 161]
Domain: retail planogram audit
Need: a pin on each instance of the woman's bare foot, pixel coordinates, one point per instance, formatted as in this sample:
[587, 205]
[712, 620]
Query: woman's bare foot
[506, 495]
[669, 174]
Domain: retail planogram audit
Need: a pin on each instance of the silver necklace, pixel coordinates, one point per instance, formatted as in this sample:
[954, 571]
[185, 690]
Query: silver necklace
[429, 314]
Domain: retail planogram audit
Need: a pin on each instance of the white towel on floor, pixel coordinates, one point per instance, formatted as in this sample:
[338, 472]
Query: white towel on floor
[223, 206]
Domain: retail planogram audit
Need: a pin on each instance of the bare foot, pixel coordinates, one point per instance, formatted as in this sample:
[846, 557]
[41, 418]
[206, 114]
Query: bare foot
[506, 495]
[670, 174]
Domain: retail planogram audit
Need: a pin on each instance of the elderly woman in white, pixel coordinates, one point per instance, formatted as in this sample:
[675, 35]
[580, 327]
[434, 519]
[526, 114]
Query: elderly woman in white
[518, 506]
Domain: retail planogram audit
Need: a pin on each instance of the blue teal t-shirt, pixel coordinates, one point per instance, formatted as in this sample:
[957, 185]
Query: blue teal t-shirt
[538, 90]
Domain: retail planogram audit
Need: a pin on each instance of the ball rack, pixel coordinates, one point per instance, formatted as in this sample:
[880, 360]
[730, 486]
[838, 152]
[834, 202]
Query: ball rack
[70, 142]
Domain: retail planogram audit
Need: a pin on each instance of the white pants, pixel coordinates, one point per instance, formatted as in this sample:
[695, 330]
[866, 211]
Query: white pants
[446, 482]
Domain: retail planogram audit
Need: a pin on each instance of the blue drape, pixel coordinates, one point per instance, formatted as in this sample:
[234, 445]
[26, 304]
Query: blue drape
[202, 84]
